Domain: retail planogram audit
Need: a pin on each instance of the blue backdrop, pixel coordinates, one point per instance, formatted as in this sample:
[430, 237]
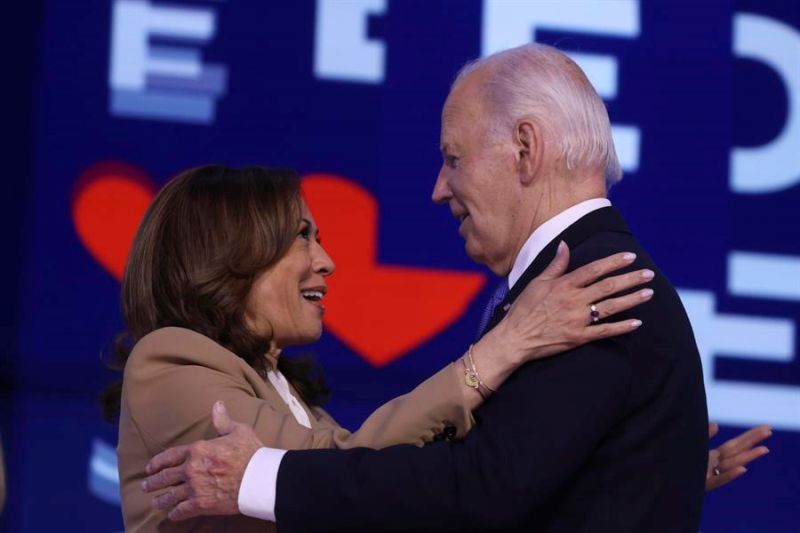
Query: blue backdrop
[111, 98]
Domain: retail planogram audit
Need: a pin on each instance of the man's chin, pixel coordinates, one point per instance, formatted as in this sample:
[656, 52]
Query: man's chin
[475, 252]
[479, 255]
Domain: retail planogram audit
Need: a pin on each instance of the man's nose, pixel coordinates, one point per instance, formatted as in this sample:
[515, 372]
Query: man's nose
[441, 190]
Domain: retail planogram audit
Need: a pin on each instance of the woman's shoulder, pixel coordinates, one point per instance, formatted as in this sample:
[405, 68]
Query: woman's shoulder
[176, 346]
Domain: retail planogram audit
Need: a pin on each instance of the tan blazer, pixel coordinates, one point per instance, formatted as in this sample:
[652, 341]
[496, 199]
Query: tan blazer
[173, 377]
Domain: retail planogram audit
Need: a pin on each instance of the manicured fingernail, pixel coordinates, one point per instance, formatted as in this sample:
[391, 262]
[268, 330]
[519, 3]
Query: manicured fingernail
[636, 323]
[561, 247]
[646, 293]
[144, 485]
[630, 256]
[648, 274]
[218, 406]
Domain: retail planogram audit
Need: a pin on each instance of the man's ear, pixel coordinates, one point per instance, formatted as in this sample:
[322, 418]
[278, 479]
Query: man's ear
[530, 146]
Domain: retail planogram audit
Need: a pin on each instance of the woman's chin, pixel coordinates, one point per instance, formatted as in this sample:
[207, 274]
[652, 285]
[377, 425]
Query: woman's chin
[309, 336]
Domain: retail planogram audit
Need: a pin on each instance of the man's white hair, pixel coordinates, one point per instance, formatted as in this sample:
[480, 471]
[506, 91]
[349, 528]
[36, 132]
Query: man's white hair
[538, 81]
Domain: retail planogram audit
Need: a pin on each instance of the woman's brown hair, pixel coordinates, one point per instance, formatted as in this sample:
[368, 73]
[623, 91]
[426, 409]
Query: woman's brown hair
[199, 247]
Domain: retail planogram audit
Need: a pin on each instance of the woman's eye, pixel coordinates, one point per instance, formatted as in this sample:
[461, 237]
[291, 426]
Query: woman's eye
[305, 233]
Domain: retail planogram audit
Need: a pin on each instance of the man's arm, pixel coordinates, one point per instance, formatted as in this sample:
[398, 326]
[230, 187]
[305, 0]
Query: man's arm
[251, 464]
[534, 434]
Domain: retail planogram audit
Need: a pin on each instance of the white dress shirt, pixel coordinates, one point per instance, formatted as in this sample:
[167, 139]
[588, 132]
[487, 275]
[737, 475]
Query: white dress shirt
[257, 491]
[544, 234]
[260, 481]
[282, 386]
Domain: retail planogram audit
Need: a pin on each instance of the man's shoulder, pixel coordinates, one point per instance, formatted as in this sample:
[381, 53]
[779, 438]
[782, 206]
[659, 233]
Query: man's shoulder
[604, 243]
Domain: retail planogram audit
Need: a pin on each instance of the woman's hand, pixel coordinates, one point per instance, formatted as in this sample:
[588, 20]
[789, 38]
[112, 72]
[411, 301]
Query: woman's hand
[554, 312]
[729, 461]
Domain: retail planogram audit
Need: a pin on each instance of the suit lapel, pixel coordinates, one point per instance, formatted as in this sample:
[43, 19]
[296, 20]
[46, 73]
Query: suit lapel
[602, 220]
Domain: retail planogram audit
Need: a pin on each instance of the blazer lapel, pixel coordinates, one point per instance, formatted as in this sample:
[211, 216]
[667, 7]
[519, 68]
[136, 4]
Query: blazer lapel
[602, 220]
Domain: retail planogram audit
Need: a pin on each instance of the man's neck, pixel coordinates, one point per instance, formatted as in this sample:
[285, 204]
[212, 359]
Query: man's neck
[549, 230]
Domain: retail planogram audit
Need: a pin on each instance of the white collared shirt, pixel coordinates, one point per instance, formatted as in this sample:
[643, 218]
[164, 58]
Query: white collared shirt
[258, 490]
[282, 387]
[544, 235]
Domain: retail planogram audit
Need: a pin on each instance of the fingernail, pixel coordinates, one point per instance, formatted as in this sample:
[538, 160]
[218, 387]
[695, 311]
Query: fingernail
[636, 323]
[646, 293]
[630, 256]
[218, 406]
[144, 485]
[648, 274]
[561, 247]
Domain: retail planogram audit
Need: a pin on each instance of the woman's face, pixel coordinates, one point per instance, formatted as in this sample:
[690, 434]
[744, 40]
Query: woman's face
[285, 300]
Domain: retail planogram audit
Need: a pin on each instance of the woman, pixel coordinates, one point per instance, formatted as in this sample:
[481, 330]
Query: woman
[227, 269]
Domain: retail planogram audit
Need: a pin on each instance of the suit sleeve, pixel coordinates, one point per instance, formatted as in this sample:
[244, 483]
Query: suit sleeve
[170, 397]
[530, 438]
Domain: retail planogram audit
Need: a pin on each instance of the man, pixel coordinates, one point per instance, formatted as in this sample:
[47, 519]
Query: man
[607, 437]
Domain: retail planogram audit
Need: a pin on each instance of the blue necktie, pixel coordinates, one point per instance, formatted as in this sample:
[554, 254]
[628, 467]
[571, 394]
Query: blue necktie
[497, 297]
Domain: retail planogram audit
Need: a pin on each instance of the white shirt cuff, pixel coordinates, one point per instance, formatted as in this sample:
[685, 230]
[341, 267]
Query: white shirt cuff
[260, 483]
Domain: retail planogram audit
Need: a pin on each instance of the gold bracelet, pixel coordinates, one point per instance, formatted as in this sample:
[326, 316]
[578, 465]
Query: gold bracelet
[471, 377]
[475, 370]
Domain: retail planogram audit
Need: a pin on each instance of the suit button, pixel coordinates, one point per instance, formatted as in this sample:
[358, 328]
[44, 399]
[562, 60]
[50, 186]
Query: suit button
[449, 432]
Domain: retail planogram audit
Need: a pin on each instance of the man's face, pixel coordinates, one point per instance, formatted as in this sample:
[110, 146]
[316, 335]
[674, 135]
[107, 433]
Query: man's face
[479, 179]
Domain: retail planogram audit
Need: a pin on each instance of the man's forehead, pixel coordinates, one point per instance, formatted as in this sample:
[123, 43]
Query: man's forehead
[448, 137]
[465, 101]
[454, 114]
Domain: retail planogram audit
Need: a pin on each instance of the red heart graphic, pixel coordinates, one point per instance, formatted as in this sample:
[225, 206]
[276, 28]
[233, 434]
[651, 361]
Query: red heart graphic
[109, 202]
[380, 311]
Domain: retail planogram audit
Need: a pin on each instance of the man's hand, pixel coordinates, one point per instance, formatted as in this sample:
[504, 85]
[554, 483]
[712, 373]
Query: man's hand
[727, 462]
[203, 478]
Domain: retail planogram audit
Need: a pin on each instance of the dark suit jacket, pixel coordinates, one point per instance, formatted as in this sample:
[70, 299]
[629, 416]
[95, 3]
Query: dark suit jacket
[609, 437]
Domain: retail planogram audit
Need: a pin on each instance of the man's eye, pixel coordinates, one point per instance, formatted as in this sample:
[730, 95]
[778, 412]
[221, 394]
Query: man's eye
[451, 161]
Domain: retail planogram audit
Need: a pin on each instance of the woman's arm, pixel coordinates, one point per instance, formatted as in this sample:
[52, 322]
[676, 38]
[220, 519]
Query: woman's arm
[553, 315]
[171, 384]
